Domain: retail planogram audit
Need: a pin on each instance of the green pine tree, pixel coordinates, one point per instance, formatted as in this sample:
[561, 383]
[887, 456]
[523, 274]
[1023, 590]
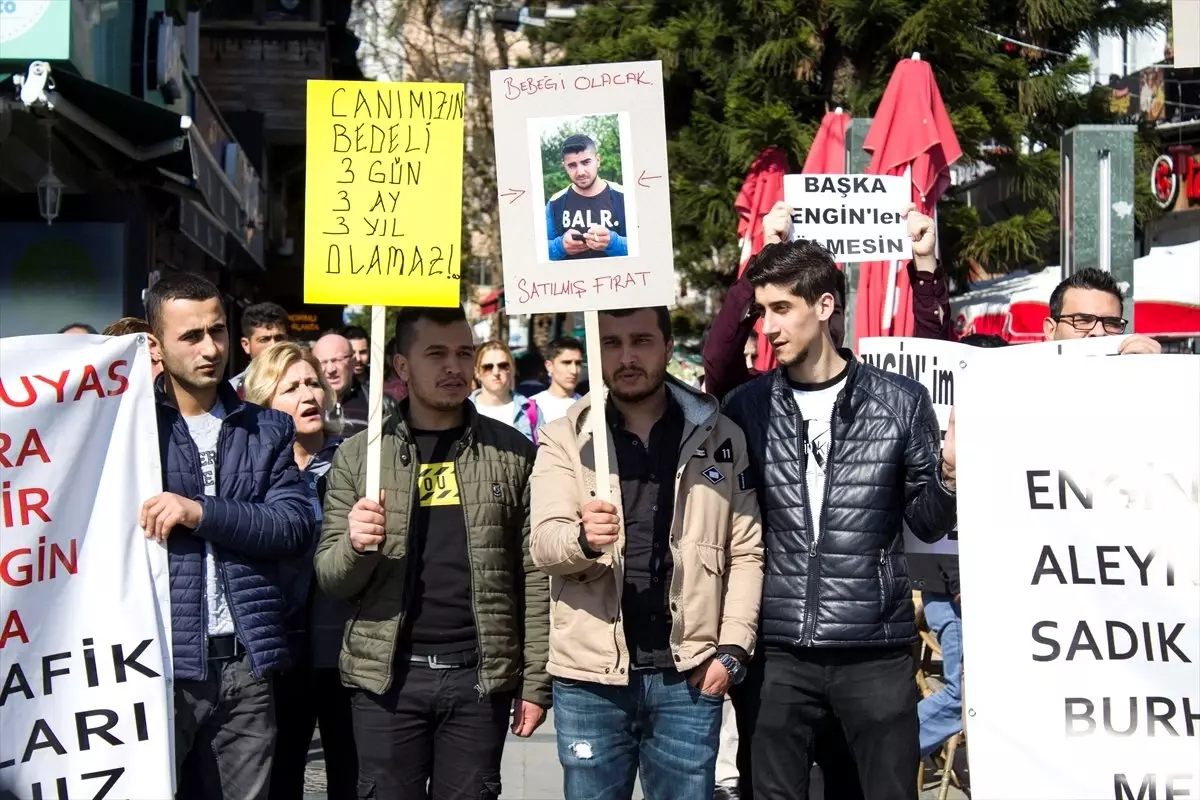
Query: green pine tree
[740, 76]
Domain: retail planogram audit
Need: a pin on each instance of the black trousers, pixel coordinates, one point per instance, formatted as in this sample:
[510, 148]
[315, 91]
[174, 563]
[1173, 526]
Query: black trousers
[305, 698]
[224, 733]
[433, 735]
[853, 711]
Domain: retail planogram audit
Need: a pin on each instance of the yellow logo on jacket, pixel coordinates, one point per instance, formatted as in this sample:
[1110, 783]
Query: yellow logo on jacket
[437, 484]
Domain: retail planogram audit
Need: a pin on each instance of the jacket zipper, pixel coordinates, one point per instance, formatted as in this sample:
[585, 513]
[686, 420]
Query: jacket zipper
[222, 575]
[885, 586]
[687, 451]
[471, 572]
[814, 539]
[411, 463]
[199, 476]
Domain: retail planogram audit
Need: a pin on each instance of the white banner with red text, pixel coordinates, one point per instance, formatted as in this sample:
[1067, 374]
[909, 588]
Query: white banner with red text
[86, 698]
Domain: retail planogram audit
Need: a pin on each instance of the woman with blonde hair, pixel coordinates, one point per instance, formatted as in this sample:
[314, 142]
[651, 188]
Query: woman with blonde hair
[288, 378]
[495, 396]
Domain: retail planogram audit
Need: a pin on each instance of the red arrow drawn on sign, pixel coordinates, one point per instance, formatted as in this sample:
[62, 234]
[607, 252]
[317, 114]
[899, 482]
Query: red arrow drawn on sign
[515, 194]
[644, 177]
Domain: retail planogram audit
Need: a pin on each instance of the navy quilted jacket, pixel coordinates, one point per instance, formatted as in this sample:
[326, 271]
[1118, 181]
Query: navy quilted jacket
[262, 512]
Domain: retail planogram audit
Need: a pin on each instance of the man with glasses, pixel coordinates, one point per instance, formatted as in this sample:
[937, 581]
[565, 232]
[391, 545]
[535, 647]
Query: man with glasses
[337, 363]
[1090, 303]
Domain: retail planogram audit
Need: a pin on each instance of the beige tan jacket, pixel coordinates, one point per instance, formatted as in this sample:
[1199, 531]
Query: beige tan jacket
[716, 543]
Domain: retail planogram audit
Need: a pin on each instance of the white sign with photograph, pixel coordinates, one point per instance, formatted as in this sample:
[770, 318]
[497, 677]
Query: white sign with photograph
[585, 213]
[855, 217]
[1078, 500]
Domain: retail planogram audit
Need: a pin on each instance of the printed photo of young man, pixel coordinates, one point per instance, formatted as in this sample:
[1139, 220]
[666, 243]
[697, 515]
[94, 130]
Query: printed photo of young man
[587, 218]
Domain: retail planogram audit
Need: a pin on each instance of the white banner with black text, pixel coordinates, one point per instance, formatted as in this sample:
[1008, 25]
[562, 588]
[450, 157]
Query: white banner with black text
[1079, 512]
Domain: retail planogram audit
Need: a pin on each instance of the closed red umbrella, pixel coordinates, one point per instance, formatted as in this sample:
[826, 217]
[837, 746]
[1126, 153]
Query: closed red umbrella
[911, 133]
[827, 156]
[762, 189]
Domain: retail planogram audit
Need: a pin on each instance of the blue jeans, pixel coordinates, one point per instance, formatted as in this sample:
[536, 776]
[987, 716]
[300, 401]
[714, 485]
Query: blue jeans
[658, 723]
[941, 714]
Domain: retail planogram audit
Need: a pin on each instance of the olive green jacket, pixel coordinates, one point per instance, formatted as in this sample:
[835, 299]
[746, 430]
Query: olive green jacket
[510, 596]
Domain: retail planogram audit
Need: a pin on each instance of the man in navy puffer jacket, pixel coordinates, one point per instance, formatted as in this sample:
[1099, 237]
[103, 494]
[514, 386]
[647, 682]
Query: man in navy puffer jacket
[234, 505]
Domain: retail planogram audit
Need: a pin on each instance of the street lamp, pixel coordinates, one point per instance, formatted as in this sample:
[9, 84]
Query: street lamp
[50, 192]
[49, 188]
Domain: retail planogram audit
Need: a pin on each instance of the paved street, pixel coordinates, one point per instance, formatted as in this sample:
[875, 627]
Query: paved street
[531, 770]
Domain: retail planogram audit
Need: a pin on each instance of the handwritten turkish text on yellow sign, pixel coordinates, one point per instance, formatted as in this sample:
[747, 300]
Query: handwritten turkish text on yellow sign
[383, 200]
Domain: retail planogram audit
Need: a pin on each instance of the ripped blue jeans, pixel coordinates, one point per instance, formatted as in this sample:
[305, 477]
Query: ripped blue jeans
[658, 724]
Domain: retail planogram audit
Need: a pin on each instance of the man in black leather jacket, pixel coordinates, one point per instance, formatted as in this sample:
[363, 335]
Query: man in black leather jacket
[842, 454]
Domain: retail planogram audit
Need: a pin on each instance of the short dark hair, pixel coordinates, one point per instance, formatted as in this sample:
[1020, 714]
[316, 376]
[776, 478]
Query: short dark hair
[1087, 278]
[805, 267]
[577, 143]
[660, 312]
[561, 345]
[263, 315]
[409, 316]
[177, 286]
[81, 325]
[354, 332]
[984, 340]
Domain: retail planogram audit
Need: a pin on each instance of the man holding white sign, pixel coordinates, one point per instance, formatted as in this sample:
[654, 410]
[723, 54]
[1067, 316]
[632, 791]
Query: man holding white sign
[449, 641]
[234, 504]
[843, 454]
[1090, 303]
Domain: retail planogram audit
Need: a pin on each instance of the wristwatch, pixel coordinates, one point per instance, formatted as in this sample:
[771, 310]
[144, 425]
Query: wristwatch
[735, 668]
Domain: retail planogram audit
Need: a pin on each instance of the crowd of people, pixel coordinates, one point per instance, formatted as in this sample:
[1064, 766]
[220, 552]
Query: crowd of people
[750, 548]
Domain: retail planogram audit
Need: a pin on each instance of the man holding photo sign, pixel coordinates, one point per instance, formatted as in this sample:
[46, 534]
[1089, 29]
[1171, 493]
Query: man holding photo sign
[586, 219]
[657, 592]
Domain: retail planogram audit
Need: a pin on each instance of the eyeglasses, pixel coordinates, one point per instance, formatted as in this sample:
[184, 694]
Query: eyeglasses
[502, 367]
[326, 362]
[1085, 323]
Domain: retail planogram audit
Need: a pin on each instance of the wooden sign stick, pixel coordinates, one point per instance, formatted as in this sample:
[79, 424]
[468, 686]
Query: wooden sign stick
[596, 393]
[375, 402]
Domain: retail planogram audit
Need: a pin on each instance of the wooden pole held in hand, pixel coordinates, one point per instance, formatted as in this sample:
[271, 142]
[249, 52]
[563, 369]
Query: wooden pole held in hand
[375, 401]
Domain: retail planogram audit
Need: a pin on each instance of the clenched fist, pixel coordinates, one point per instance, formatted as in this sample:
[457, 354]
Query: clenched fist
[600, 524]
[366, 525]
[777, 224]
[923, 234]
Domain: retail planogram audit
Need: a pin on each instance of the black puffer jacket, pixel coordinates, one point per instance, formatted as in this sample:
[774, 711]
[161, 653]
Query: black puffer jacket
[850, 588]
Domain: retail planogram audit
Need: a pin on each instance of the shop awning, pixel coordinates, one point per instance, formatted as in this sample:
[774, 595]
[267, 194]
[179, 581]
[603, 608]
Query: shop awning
[139, 130]
[157, 136]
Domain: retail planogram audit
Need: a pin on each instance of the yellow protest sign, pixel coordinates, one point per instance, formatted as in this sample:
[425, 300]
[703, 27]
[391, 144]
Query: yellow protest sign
[383, 194]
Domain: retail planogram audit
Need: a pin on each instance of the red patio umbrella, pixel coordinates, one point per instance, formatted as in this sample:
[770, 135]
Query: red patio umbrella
[911, 133]
[827, 156]
[762, 189]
